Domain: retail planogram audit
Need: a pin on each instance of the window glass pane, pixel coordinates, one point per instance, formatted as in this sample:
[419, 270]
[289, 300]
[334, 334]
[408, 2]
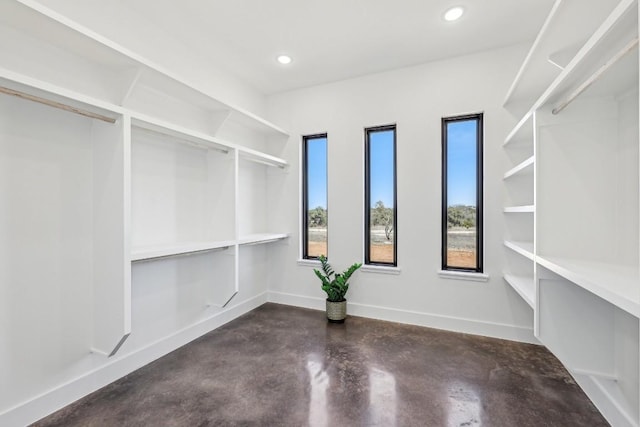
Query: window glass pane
[381, 196]
[462, 176]
[316, 194]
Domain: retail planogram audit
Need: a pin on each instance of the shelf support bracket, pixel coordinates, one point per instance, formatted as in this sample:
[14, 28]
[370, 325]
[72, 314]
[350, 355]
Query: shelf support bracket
[130, 80]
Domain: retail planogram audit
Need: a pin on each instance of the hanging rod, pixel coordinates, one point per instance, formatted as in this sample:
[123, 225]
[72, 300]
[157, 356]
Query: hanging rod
[595, 76]
[55, 104]
[181, 254]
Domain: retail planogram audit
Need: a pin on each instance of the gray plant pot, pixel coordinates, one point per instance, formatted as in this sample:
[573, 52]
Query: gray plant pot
[336, 311]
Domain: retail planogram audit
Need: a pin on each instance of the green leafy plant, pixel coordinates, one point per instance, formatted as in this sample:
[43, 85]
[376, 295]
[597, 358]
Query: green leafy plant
[335, 284]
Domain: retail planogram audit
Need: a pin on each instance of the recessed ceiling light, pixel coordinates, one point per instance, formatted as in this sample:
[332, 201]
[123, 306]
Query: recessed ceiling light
[453, 13]
[284, 59]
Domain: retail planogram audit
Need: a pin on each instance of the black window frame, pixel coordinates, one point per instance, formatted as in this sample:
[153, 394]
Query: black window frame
[367, 195]
[479, 117]
[305, 196]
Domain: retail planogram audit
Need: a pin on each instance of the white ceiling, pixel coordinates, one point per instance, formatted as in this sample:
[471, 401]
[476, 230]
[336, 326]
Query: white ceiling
[331, 40]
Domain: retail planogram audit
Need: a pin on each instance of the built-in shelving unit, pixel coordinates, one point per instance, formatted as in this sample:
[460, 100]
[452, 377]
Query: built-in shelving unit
[126, 206]
[575, 155]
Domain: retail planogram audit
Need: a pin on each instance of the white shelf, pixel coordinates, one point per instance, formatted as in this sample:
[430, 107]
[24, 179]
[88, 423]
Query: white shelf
[522, 131]
[561, 36]
[520, 209]
[524, 286]
[596, 49]
[617, 284]
[253, 239]
[162, 251]
[523, 248]
[258, 157]
[48, 26]
[526, 167]
[181, 133]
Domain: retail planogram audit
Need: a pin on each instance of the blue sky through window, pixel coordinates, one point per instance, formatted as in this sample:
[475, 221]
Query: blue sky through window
[461, 162]
[381, 167]
[317, 172]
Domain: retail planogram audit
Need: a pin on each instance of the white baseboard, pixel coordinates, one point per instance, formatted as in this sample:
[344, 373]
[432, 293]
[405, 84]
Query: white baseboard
[56, 398]
[449, 323]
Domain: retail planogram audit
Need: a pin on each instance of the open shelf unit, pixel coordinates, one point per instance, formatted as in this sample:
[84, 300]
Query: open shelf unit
[582, 231]
[520, 207]
[124, 204]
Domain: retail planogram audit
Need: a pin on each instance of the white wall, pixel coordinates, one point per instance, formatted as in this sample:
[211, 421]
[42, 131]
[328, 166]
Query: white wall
[415, 98]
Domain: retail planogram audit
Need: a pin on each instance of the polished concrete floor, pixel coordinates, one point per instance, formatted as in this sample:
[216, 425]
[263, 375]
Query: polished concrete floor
[286, 366]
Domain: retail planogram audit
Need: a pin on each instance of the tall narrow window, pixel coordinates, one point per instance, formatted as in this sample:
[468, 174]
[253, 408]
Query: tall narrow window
[462, 193]
[380, 196]
[314, 197]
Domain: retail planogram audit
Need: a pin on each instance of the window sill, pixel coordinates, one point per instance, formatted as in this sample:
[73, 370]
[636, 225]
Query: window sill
[463, 275]
[380, 269]
[309, 263]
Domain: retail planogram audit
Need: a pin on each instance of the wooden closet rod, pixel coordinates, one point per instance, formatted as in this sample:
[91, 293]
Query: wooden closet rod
[595, 76]
[55, 104]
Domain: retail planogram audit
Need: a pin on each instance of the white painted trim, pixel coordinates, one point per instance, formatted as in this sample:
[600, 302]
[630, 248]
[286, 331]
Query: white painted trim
[438, 321]
[463, 275]
[380, 269]
[119, 366]
[308, 263]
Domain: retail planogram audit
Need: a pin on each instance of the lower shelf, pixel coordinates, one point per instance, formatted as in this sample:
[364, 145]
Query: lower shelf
[524, 286]
[606, 394]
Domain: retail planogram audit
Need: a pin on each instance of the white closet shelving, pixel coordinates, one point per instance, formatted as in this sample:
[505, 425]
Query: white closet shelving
[127, 177]
[582, 169]
[519, 210]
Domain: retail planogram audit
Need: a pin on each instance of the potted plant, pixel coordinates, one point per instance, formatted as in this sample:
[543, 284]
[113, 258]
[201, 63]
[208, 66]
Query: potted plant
[336, 286]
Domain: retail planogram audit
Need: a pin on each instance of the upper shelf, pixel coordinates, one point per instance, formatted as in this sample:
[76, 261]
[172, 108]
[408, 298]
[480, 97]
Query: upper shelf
[182, 134]
[87, 63]
[618, 31]
[568, 30]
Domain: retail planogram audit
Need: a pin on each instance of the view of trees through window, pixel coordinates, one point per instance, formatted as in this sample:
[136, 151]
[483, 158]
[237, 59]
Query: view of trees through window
[315, 196]
[462, 145]
[380, 195]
